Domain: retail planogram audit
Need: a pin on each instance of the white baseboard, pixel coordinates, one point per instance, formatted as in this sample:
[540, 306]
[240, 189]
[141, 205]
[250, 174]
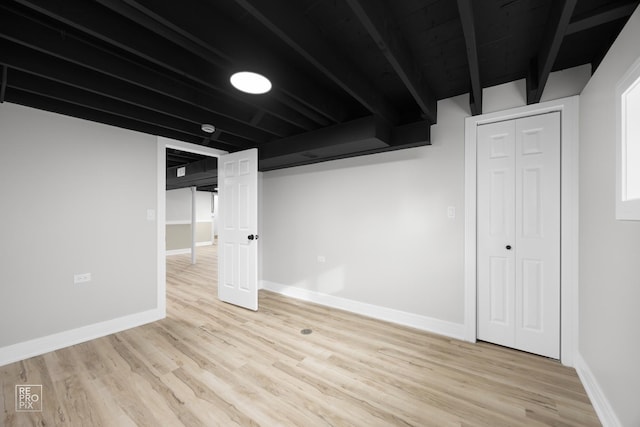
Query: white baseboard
[429, 324]
[36, 347]
[188, 222]
[187, 250]
[599, 401]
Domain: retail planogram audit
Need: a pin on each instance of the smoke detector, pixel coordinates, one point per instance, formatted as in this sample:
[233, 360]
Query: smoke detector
[208, 128]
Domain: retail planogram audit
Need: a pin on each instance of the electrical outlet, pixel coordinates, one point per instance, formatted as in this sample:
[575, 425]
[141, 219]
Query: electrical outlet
[82, 278]
[321, 258]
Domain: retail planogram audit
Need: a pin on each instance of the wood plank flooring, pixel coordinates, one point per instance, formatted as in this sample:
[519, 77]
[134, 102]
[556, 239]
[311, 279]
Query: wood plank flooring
[213, 364]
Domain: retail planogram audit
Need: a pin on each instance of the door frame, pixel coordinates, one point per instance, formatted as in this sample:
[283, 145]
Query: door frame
[161, 207]
[569, 124]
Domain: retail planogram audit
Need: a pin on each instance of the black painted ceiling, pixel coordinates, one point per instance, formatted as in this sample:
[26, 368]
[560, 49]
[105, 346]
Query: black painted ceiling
[349, 76]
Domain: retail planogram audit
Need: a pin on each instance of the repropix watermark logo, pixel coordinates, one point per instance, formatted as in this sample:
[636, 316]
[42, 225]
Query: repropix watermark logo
[29, 398]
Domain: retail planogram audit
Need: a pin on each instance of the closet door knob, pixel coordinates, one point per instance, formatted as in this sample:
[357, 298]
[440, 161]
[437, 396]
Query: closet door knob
[508, 247]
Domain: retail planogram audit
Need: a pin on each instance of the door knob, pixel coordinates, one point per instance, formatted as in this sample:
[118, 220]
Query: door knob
[252, 237]
[508, 247]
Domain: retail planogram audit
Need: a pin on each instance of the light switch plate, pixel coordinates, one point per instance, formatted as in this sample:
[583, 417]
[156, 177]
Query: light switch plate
[451, 212]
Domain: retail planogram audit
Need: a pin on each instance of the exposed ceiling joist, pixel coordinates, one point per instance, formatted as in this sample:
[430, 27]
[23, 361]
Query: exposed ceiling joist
[56, 106]
[366, 133]
[55, 90]
[357, 137]
[124, 34]
[379, 24]
[49, 41]
[541, 65]
[297, 33]
[349, 77]
[316, 104]
[469, 29]
[92, 81]
[619, 10]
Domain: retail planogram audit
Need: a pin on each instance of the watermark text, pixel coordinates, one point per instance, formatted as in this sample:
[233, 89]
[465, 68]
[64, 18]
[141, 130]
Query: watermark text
[29, 398]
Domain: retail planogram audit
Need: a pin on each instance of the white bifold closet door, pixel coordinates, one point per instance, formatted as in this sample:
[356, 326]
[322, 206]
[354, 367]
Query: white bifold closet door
[518, 206]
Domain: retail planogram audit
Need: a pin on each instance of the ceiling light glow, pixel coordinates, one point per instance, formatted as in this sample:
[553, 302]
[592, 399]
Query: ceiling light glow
[249, 82]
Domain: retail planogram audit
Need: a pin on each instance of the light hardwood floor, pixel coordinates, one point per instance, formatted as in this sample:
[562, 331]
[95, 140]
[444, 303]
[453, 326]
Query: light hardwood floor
[210, 363]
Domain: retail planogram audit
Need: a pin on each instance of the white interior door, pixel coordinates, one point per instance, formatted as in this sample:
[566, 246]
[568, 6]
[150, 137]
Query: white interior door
[496, 230]
[519, 234]
[238, 228]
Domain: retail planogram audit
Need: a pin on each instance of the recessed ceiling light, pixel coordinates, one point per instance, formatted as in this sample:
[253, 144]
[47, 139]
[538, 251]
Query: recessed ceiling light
[249, 82]
[208, 128]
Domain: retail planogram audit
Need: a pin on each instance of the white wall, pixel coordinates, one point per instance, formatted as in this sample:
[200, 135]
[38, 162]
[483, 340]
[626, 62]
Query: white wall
[73, 203]
[178, 220]
[381, 220]
[609, 249]
[179, 206]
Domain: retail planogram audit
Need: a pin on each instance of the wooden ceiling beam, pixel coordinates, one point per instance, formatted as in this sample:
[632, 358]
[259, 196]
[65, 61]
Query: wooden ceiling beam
[69, 48]
[74, 75]
[128, 36]
[541, 65]
[378, 22]
[467, 20]
[312, 102]
[40, 102]
[72, 95]
[286, 21]
[603, 15]
[366, 135]
[356, 132]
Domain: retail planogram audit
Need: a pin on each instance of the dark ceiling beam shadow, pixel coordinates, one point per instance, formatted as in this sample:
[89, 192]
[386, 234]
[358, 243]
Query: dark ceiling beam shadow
[467, 20]
[362, 136]
[293, 28]
[48, 40]
[541, 65]
[406, 136]
[40, 64]
[603, 15]
[265, 167]
[72, 95]
[17, 96]
[124, 34]
[378, 22]
[350, 137]
[314, 104]
[3, 85]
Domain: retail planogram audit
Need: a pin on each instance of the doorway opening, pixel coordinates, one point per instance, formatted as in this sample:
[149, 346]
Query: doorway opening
[191, 199]
[185, 148]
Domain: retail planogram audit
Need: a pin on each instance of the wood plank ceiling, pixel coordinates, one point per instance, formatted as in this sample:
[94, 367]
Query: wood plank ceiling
[350, 77]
